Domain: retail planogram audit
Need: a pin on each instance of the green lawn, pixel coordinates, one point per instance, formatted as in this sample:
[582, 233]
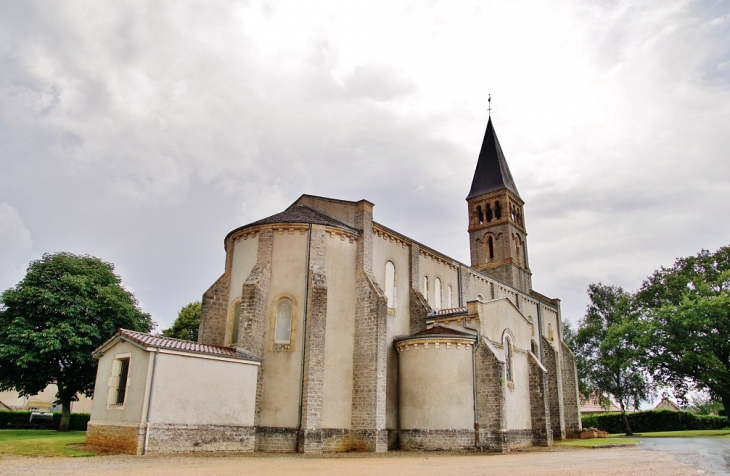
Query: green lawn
[41, 443]
[677, 434]
[593, 442]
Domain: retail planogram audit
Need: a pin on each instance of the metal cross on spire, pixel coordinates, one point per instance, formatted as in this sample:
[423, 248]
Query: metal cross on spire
[489, 108]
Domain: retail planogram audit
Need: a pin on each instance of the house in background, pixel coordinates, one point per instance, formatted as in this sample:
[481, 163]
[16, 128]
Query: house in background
[42, 402]
[589, 407]
[666, 404]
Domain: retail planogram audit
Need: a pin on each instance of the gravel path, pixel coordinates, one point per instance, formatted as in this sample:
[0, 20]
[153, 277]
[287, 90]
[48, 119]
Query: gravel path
[624, 461]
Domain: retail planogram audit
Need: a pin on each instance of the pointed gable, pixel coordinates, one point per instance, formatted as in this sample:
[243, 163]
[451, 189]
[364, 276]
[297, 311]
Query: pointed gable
[492, 172]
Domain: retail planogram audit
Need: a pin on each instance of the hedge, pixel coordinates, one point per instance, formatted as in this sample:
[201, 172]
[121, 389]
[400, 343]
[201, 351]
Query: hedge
[78, 420]
[655, 420]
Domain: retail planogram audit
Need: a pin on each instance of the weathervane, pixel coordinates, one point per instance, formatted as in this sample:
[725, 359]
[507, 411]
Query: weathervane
[489, 108]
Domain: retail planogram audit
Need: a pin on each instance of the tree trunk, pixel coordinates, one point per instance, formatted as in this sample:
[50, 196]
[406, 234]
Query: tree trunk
[725, 398]
[627, 427]
[65, 415]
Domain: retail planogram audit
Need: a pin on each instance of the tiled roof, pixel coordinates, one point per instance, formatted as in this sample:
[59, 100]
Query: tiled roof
[441, 331]
[181, 345]
[446, 312]
[299, 214]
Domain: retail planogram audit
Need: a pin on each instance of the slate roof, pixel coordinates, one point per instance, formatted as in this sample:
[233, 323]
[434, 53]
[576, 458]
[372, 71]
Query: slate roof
[299, 214]
[492, 172]
[149, 340]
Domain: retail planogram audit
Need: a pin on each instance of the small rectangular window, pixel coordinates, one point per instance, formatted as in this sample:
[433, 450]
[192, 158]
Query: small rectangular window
[122, 385]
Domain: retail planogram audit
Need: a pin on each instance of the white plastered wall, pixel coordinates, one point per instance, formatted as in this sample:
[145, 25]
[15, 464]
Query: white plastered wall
[428, 266]
[135, 399]
[197, 390]
[436, 387]
[282, 368]
[340, 337]
[244, 259]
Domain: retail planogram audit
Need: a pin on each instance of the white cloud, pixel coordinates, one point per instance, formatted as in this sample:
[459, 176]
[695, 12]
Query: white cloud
[15, 246]
[143, 132]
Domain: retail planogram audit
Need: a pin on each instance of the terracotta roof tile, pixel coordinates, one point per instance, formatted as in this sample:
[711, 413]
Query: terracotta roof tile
[182, 345]
[446, 312]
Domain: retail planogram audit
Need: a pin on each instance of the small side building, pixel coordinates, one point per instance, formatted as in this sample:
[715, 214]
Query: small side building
[161, 395]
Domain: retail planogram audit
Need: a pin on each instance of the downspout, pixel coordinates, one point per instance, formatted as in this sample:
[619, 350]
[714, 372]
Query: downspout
[539, 330]
[149, 403]
[461, 296]
[474, 382]
[304, 341]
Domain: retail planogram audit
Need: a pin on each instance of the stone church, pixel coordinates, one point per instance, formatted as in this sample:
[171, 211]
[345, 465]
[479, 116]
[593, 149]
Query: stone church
[329, 331]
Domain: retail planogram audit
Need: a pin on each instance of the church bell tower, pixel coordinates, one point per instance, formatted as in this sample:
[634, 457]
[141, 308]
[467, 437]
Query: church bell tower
[497, 234]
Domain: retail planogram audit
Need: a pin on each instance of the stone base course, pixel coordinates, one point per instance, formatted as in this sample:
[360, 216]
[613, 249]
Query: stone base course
[120, 437]
[276, 440]
[430, 440]
[173, 438]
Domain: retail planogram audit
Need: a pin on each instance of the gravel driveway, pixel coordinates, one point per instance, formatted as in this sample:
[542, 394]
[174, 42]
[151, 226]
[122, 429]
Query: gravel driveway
[558, 461]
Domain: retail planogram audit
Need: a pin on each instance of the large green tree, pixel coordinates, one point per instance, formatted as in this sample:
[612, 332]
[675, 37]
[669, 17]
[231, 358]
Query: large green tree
[608, 350]
[50, 322]
[187, 323]
[687, 313]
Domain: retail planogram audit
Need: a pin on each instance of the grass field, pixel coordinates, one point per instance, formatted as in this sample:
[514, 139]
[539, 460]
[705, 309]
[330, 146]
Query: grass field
[677, 434]
[41, 443]
[593, 442]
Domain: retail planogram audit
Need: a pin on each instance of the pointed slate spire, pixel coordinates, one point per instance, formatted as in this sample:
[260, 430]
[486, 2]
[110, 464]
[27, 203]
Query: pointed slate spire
[492, 172]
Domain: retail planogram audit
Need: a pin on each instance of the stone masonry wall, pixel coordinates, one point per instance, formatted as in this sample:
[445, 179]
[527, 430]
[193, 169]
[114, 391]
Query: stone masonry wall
[419, 307]
[430, 440]
[491, 397]
[276, 440]
[542, 434]
[571, 405]
[120, 437]
[551, 361]
[214, 313]
[310, 439]
[254, 310]
[370, 353]
[176, 438]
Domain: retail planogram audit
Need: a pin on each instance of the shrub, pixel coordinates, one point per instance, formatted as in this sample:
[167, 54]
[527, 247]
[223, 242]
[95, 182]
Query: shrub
[655, 420]
[78, 420]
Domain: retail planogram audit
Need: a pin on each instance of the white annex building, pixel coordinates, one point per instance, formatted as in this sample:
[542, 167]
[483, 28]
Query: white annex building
[329, 331]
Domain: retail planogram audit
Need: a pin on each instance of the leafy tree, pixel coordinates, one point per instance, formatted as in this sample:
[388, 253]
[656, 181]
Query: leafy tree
[687, 313]
[50, 322]
[608, 350]
[187, 323]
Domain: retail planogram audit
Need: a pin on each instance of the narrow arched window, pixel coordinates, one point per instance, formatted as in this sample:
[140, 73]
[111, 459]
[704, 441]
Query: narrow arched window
[282, 333]
[425, 288]
[497, 210]
[437, 293]
[517, 249]
[490, 245]
[450, 298]
[550, 331]
[235, 322]
[390, 290]
[489, 212]
[480, 215]
[508, 370]
[480, 298]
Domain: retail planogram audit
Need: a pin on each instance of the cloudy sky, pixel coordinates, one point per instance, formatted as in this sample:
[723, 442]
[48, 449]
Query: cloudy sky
[142, 132]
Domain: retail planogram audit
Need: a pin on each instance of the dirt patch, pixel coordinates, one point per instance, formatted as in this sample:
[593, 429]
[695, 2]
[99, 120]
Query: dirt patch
[537, 461]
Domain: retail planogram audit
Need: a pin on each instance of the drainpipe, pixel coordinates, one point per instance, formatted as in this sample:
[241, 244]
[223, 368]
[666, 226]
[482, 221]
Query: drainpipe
[461, 297]
[539, 331]
[304, 341]
[474, 382]
[149, 403]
